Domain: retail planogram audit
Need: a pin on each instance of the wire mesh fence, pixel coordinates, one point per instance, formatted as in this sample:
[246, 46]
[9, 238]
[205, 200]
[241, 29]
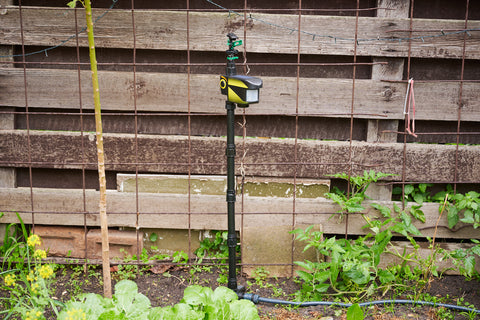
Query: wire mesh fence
[333, 70]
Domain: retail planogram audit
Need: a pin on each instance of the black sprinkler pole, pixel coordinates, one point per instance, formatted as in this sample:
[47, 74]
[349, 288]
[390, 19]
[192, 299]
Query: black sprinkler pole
[230, 153]
[232, 237]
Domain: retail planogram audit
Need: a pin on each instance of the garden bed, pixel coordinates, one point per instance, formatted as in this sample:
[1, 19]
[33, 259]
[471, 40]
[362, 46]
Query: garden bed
[167, 287]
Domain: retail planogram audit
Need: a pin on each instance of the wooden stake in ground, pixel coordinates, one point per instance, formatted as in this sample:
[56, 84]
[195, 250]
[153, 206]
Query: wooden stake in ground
[107, 282]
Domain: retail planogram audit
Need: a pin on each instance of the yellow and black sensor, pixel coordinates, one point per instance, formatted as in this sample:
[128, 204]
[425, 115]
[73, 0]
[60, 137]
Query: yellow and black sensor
[240, 89]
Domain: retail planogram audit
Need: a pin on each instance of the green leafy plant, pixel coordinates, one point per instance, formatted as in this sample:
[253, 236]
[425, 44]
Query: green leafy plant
[464, 208]
[352, 266]
[418, 193]
[214, 247]
[260, 275]
[355, 312]
[352, 201]
[28, 286]
[180, 257]
[127, 303]
[463, 260]
[13, 249]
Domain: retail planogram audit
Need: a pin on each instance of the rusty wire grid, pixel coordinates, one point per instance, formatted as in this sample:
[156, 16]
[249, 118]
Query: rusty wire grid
[190, 167]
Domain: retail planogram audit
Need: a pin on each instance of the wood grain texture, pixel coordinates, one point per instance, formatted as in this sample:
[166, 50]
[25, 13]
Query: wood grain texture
[65, 207]
[167, 92]
[167, 30]
[264, 157]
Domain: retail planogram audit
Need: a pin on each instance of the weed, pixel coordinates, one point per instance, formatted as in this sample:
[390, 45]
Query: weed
[29, 285]
[260, 275]
[126, 272]
[352, 266]
[352, 202]
[222, 278]
[180, 257]
[214, 247]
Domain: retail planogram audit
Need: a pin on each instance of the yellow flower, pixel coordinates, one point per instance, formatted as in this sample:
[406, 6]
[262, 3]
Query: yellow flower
[9, 280]
[46, 271]
[76, 314]
[34, 315]
[33, 240]
[39, 254]
[35, 287]
[31, 276]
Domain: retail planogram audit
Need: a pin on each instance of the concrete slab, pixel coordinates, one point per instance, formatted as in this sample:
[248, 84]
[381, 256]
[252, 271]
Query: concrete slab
[266, 245]
[283, 187]
[168, 241]
[179, 184]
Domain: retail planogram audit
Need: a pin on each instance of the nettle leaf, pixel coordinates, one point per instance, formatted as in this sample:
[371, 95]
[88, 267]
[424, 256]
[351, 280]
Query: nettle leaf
[307, 277]
[474, 206]
[385, 276]
[417, 213]
[305, 264]
[354, 207]
[470, 265]
[475, 249]
[468, 217]
[321, 277]
[339, 199]
[358, 274]
[452, 216]
[406, 219]
[322, 288]
[473, 194]
[396, 208]
[384, 211]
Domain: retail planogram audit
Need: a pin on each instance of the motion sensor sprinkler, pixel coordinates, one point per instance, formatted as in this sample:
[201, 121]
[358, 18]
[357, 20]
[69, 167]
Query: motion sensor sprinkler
[242, 91]
[239, 89]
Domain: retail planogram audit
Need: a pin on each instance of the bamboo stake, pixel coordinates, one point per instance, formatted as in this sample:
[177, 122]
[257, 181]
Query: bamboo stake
[107, 282]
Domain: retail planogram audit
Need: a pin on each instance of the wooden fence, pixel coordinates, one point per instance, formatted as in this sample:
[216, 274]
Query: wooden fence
[333, 101]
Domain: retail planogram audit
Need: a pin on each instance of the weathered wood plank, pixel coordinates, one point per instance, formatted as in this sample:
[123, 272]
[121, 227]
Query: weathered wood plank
[7, 121]
[393, 70]
[65, 207]
[374, 99]
[265, 157]
[167, 30]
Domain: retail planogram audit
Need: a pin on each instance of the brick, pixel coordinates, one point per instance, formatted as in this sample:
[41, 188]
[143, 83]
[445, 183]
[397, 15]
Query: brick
[118, 239]
[62, 241]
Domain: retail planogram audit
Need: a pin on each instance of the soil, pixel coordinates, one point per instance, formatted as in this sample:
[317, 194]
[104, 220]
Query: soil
[164, 286]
